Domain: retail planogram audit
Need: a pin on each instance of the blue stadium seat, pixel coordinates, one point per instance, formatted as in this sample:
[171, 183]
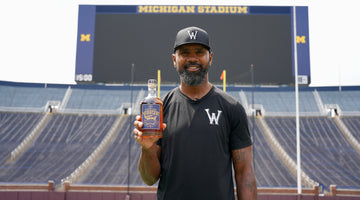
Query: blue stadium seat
[270, 171]
[326, 155]
[282, 103]
[353, 124]
[14, 127]
[32, 97]
[99, 99]
[64, 143]
[347, 100]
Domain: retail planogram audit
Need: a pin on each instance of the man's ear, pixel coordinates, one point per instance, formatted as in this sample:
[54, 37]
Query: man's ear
[174, 59]
[210, 57]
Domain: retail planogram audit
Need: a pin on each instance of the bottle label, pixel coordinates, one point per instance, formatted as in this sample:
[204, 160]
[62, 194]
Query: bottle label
[151, 116]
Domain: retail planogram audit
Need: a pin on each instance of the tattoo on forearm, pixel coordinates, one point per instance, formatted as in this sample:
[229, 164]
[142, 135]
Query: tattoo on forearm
[239, 156]
[249, 184]
[246, 182]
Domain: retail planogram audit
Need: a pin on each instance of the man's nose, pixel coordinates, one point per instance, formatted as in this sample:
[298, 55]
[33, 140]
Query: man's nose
[192, 57]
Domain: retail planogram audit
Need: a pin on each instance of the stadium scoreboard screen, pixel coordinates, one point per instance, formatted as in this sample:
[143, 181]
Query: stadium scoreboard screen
[112, 39]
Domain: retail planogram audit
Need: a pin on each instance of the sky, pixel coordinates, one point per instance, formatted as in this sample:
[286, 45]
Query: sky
[38, 38]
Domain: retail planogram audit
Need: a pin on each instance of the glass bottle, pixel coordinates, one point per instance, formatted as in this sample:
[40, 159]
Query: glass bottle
[151, 110]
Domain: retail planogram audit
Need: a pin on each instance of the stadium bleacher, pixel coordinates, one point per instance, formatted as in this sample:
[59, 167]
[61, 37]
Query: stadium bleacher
[65, 142]
[353, 124]
[98, 99]
[112, 167]
[12, 132]
[28, 98]
[283, 102]
[326, 155]
[269, 170]
[347, 100]
[78, 126]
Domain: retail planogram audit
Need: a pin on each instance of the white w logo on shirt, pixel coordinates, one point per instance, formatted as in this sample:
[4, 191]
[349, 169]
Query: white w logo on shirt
[192, 35]
[213, 117]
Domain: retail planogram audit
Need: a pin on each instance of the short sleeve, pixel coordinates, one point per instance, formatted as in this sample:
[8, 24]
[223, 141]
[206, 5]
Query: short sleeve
[239, 135]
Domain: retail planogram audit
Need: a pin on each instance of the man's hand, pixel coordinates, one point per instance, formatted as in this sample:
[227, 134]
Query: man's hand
[149, 164]
[145, 142]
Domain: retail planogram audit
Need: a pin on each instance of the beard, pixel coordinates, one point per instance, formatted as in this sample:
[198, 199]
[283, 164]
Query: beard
[193, 78]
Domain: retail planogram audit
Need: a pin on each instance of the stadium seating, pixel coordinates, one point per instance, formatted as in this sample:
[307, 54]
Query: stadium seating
[353, 124]
[28, 98]
[283, 102]
[112, 167]
[91, 99]
[269, 169]
[63, 144]
[13, 129]
[347, 100]
[67, 140]
[326, 155]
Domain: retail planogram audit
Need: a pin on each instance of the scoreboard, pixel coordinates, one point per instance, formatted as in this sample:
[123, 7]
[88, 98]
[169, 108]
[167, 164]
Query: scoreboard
[112, 39]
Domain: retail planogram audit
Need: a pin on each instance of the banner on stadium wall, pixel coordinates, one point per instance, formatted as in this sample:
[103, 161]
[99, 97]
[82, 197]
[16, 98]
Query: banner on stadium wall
[302, 41]
[85, 43]
[87, 21]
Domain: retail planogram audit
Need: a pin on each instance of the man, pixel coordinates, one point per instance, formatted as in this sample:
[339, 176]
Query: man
[206, 132]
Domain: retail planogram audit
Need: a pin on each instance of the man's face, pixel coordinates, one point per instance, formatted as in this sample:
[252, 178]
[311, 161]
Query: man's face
[192, 62]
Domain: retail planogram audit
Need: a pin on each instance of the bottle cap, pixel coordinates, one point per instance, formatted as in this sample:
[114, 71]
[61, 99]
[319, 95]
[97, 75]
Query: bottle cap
[152, 83]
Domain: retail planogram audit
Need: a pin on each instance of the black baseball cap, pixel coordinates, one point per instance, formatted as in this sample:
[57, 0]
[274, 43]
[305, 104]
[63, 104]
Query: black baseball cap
[192, 35]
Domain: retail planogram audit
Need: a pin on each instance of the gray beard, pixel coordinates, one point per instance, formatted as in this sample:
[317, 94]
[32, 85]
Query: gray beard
[193, 78]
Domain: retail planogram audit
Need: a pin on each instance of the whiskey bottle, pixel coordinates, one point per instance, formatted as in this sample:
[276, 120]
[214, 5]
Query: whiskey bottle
[151, 110]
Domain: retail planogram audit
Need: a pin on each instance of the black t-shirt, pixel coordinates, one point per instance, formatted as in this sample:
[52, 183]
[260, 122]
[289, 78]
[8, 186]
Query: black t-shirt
[196, 147]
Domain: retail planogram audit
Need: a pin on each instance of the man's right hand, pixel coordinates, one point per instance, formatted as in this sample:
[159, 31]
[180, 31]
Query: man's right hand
[145, 142]
[149, 164]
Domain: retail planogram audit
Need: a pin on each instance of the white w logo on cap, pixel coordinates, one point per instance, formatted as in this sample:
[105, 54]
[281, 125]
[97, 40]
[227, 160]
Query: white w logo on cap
[192, 35]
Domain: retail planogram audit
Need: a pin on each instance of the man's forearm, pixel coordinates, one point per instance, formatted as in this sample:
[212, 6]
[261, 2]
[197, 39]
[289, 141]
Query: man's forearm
[149, 165]
[246, 186]
[244, 174]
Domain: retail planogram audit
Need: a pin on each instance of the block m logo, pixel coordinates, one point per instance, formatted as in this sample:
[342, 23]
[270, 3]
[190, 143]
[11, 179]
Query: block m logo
[85, 37]
[301, 39]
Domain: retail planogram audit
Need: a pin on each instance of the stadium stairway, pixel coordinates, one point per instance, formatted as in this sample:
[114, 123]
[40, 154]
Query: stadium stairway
[118, 162]
[286, 159]
[29, 139]
[12, 133]
[270, 171]
[326, 155]
[347, 134]
[95, 155]
[64, 142]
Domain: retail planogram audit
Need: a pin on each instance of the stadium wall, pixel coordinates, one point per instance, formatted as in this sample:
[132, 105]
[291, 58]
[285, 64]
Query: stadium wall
[43, 195]
[107, 192]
